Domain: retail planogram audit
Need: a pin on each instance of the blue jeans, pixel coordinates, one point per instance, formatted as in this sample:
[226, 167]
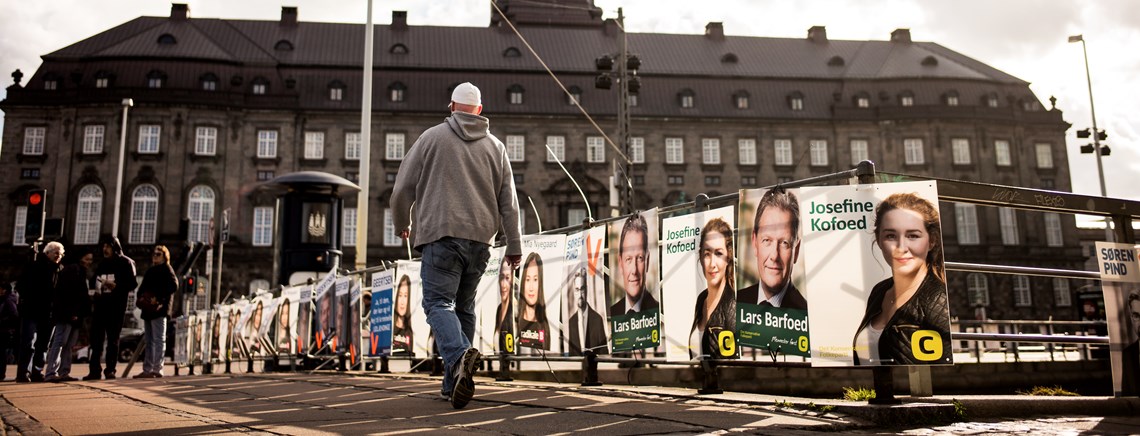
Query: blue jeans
[59, 352]
[450, 272]
[153, 356]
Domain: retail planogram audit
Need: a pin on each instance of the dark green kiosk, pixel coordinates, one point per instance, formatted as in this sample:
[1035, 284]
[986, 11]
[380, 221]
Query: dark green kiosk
[310, 216]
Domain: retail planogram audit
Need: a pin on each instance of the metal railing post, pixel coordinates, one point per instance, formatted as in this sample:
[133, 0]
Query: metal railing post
[590, 368]
[711, 377]
[504, 368]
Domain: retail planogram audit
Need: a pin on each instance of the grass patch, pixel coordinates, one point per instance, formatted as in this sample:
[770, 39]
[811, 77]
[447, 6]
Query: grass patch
[1044, 391]
[784, 404]
[817, 408]
[858, 394]
[959, 410]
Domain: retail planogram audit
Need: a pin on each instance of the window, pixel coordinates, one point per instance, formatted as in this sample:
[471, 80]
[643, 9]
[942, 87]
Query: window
[102, 82]
[712, 180]
[1001, 153]
[576, 215]
[154, 82]
[394, 146]
[906, 100]
[210, 84]
[676, 180]
[783, 150]
[1022, 294]
[354, 176]
[34, 140]
[259, 86]
[148, 138]
[914, 152]
[352, 146]
[1044, 155]
[397, 92]
[398, 49]
[518, 178]
[515, 94]
[19, 226]
[1008, 219]
[633, 100]
[575, 96]
[783, 179]
[796, 101]
[686, 98]
[639, 180]
[740, 100]
[1061, 294]
[952, 100]
[818, 152]
[93, 139]
[1054, 237]
[144, 215]
[710, 151]
[512, 52]
[263, 175]
[348, 227]
[336, 94]
[859, 152]
[961, 150]
[748, 181]
[167, 39]
[978, 289]
[595, 149]
[557, 148]
[51, 84]
[747, 148]
[637, 149]
[88, 212]
[992, 101]
[206, 141]
[263, 226]
[199, 210]
[266, 143]
[391, 238]
[30, 173]
[674, 151]
[967, 219]
[314, 145]
[1047, 183]
[862, 101]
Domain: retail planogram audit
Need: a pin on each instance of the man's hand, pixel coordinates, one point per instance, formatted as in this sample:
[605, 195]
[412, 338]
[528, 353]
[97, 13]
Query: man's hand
[514, 260]
[404, 234]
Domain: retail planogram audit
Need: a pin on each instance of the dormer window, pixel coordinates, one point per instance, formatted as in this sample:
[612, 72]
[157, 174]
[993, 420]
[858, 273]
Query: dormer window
[951, 98]
[167, 39]
[992, 100]
[729, 58]
[511, 52]
[102, 79]
[575, 95]
[209, 82]
[796, 101]
[906, 99]
[51, 84]
[155, 79]
[283, 45]
[260, 86]
[930, 61]
[515, 94]
[740, 99]
[836, 61]
[397, 92]
[336, 90]
[862, 100]
[686, 98]
[398, 49]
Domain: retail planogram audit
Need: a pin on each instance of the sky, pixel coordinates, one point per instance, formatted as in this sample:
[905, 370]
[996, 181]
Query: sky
[1025, 38]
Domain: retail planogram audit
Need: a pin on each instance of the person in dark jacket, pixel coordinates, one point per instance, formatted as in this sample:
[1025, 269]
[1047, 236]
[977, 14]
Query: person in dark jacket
[114, 281]
[154, 299]
[36, 288]
[69, 307]
[715, 310]
[9, 325]
[907, 321]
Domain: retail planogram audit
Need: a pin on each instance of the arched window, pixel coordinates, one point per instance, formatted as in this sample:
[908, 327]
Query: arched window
[397, 92]
[199, 209]
[836, 61]
[167, 39]
[729, 58]
[511, 52]
[398, 49]
[283, 45]
[930, 61]
[144, 215]
[88, 214]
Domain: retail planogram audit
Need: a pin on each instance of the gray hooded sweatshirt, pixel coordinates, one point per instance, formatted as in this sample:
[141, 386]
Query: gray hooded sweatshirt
[459, 177]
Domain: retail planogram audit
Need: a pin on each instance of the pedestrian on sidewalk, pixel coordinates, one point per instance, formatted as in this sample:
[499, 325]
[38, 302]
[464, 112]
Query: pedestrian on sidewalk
[154, 298]
[69, 307]
[459, 177]
[36, 288]
[9, 326]
[114, 281]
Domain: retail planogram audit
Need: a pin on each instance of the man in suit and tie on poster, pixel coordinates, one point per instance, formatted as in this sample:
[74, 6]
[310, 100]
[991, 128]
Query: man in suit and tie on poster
[586, 325]
[633, 264]
[775, 239]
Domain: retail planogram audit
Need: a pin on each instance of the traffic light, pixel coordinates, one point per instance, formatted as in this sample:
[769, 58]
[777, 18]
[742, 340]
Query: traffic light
[34, 222]
[1083, 133]
[189, 285]
[1102, 135]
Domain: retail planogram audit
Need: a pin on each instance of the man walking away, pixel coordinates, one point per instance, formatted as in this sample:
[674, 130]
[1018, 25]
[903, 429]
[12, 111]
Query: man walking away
[9, 326]
[70, 306]
[36, 289]
[154, 298]
[114, 280]
[459, 177]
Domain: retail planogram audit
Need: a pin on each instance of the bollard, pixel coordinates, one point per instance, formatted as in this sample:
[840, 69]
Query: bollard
[207, 368]
[504, 368]
[249, 365]
[341, 361]
[884, 386]
[711, 382]
[191, 369]
[228, 365]
[384, 365]
[590, 369]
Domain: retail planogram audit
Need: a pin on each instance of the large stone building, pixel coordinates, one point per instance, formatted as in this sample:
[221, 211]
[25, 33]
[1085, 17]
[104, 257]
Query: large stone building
[221, 106]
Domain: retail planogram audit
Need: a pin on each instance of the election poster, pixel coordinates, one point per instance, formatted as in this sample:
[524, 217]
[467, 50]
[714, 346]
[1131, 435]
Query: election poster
[585, 305]
[349, 330]
[771, 298]
[214, 342]
[182, 340]
[234, 344]
[342, 291]
[697, 276]
[873, 256]
[380, 314]
[286, 326]
[196, 325]
[304, 318]
[494, 329]
[220, 335]
[324, 323]
[634, 295]
[410, 329]
[540, 294]
[254, 317]
[1120, 275]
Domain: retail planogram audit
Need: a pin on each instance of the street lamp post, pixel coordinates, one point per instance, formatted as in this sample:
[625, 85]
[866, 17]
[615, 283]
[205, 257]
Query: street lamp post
[1096, 133]
[362, 202]
[628, 84]
[127, 103]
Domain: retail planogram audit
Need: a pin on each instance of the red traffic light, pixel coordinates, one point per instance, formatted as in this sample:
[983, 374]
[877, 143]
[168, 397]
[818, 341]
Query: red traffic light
[190, 281]
[35, 199]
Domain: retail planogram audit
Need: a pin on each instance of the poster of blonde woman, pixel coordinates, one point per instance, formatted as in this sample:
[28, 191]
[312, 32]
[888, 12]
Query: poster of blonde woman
[698, 285]
[873, 255]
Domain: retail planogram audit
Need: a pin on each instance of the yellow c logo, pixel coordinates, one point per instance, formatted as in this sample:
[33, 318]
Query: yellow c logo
[727, 343]
[926, 345]
[656, 337]
[510, 343]
[802, 344]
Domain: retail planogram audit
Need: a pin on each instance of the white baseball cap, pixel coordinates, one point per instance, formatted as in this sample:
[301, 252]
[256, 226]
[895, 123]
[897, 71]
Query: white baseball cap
[468, 94]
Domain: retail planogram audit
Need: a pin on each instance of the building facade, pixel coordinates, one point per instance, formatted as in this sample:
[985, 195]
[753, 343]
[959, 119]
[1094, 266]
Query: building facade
[221, 106]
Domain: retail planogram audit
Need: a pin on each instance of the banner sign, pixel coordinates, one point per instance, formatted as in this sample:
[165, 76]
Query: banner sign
[698, 268]
[182, 340]
[540, 293]
[286, 335]
[380, 314]
[585, 303]
[635, 295]
[1117, 262]
[410, 329]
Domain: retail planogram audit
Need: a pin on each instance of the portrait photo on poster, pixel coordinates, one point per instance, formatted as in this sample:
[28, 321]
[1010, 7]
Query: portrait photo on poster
[874, 260]
[488, 299]
[403, 329]
[698, 263]
[772, 293]
[540, 294]
[585, 303]
[634, 293]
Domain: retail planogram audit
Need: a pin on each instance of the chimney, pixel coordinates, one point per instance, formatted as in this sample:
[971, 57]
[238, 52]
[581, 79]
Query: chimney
[400, 20]
[609, 27]
[179, 12]
[817, 34]
[900, 35]
[289, 15]
[714, 30]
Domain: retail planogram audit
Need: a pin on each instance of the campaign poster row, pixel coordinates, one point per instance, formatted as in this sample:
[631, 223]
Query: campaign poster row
[865, 261]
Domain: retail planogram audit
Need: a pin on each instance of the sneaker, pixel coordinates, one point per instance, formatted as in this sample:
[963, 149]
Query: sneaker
[142, 375]
[92, 377]
[52, 378]
[67, 378]
[36, 377]
[109, 376]
[465, 382]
